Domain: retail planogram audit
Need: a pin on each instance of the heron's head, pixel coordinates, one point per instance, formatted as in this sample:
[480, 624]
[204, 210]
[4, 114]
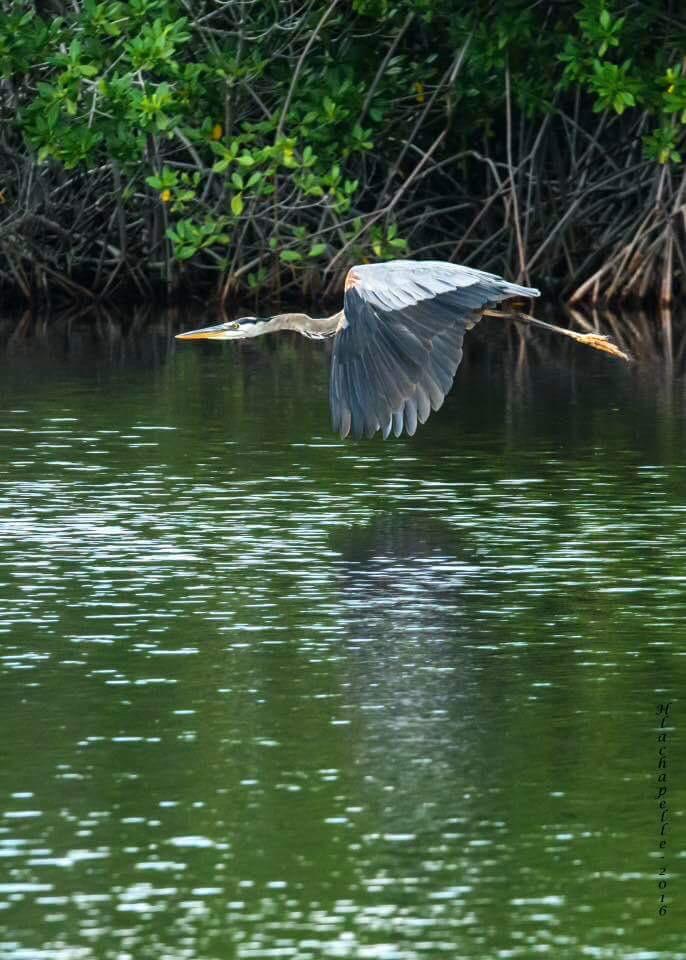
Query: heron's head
[230, 329]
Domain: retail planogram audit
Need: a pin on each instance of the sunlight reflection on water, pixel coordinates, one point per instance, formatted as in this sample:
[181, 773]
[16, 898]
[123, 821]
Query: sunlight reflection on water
[265, 695]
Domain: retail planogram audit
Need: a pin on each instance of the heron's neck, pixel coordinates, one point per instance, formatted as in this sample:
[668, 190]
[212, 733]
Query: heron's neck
[316, 328]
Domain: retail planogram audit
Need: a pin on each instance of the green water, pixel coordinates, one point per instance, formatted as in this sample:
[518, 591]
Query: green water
[267, 694]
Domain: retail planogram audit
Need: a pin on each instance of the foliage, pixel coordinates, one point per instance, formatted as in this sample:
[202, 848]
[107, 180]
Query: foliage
[230, 138]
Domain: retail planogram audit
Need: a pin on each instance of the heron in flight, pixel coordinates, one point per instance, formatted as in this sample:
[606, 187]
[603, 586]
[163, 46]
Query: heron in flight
[398, 339]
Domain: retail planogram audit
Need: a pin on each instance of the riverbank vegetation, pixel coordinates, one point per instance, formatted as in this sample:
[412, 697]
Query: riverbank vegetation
[236, 147]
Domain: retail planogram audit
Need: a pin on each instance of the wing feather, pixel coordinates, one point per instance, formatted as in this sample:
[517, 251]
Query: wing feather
[423, 402]
[410, 416]
[396, 354]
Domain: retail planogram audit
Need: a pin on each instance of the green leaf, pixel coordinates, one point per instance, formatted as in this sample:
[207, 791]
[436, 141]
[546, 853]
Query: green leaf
[290, 256]
[317, 249]
[237, 204]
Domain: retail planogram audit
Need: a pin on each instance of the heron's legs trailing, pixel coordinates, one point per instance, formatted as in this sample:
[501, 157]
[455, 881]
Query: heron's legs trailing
[596, 340]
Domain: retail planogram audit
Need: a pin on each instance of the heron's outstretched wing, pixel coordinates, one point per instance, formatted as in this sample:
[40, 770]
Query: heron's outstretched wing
[400, 342]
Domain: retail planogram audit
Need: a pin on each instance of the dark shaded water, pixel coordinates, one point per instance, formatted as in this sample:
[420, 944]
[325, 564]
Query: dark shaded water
[266, 694]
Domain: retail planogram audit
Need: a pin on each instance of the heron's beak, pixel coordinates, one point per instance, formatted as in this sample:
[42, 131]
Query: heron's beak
[219, 331]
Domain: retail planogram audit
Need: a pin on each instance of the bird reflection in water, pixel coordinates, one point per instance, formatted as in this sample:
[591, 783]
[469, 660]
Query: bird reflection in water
[401, 555]
[410, 666]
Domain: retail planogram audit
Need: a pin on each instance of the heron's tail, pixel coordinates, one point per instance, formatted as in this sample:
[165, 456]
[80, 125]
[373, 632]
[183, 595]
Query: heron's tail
[514, 290]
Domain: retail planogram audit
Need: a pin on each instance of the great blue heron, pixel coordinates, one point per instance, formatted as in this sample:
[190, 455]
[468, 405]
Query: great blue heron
[398, 338]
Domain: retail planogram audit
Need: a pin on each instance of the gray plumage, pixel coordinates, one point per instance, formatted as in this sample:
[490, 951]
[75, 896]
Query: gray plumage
[400, 343]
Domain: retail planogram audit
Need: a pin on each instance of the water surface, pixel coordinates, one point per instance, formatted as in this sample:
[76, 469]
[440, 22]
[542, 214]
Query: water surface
[264, 693]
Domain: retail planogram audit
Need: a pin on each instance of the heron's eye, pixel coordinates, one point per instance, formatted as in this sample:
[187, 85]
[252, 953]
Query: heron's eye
[235, 325]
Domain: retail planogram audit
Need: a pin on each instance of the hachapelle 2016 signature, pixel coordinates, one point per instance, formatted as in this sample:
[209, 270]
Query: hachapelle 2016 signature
[663, 711]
